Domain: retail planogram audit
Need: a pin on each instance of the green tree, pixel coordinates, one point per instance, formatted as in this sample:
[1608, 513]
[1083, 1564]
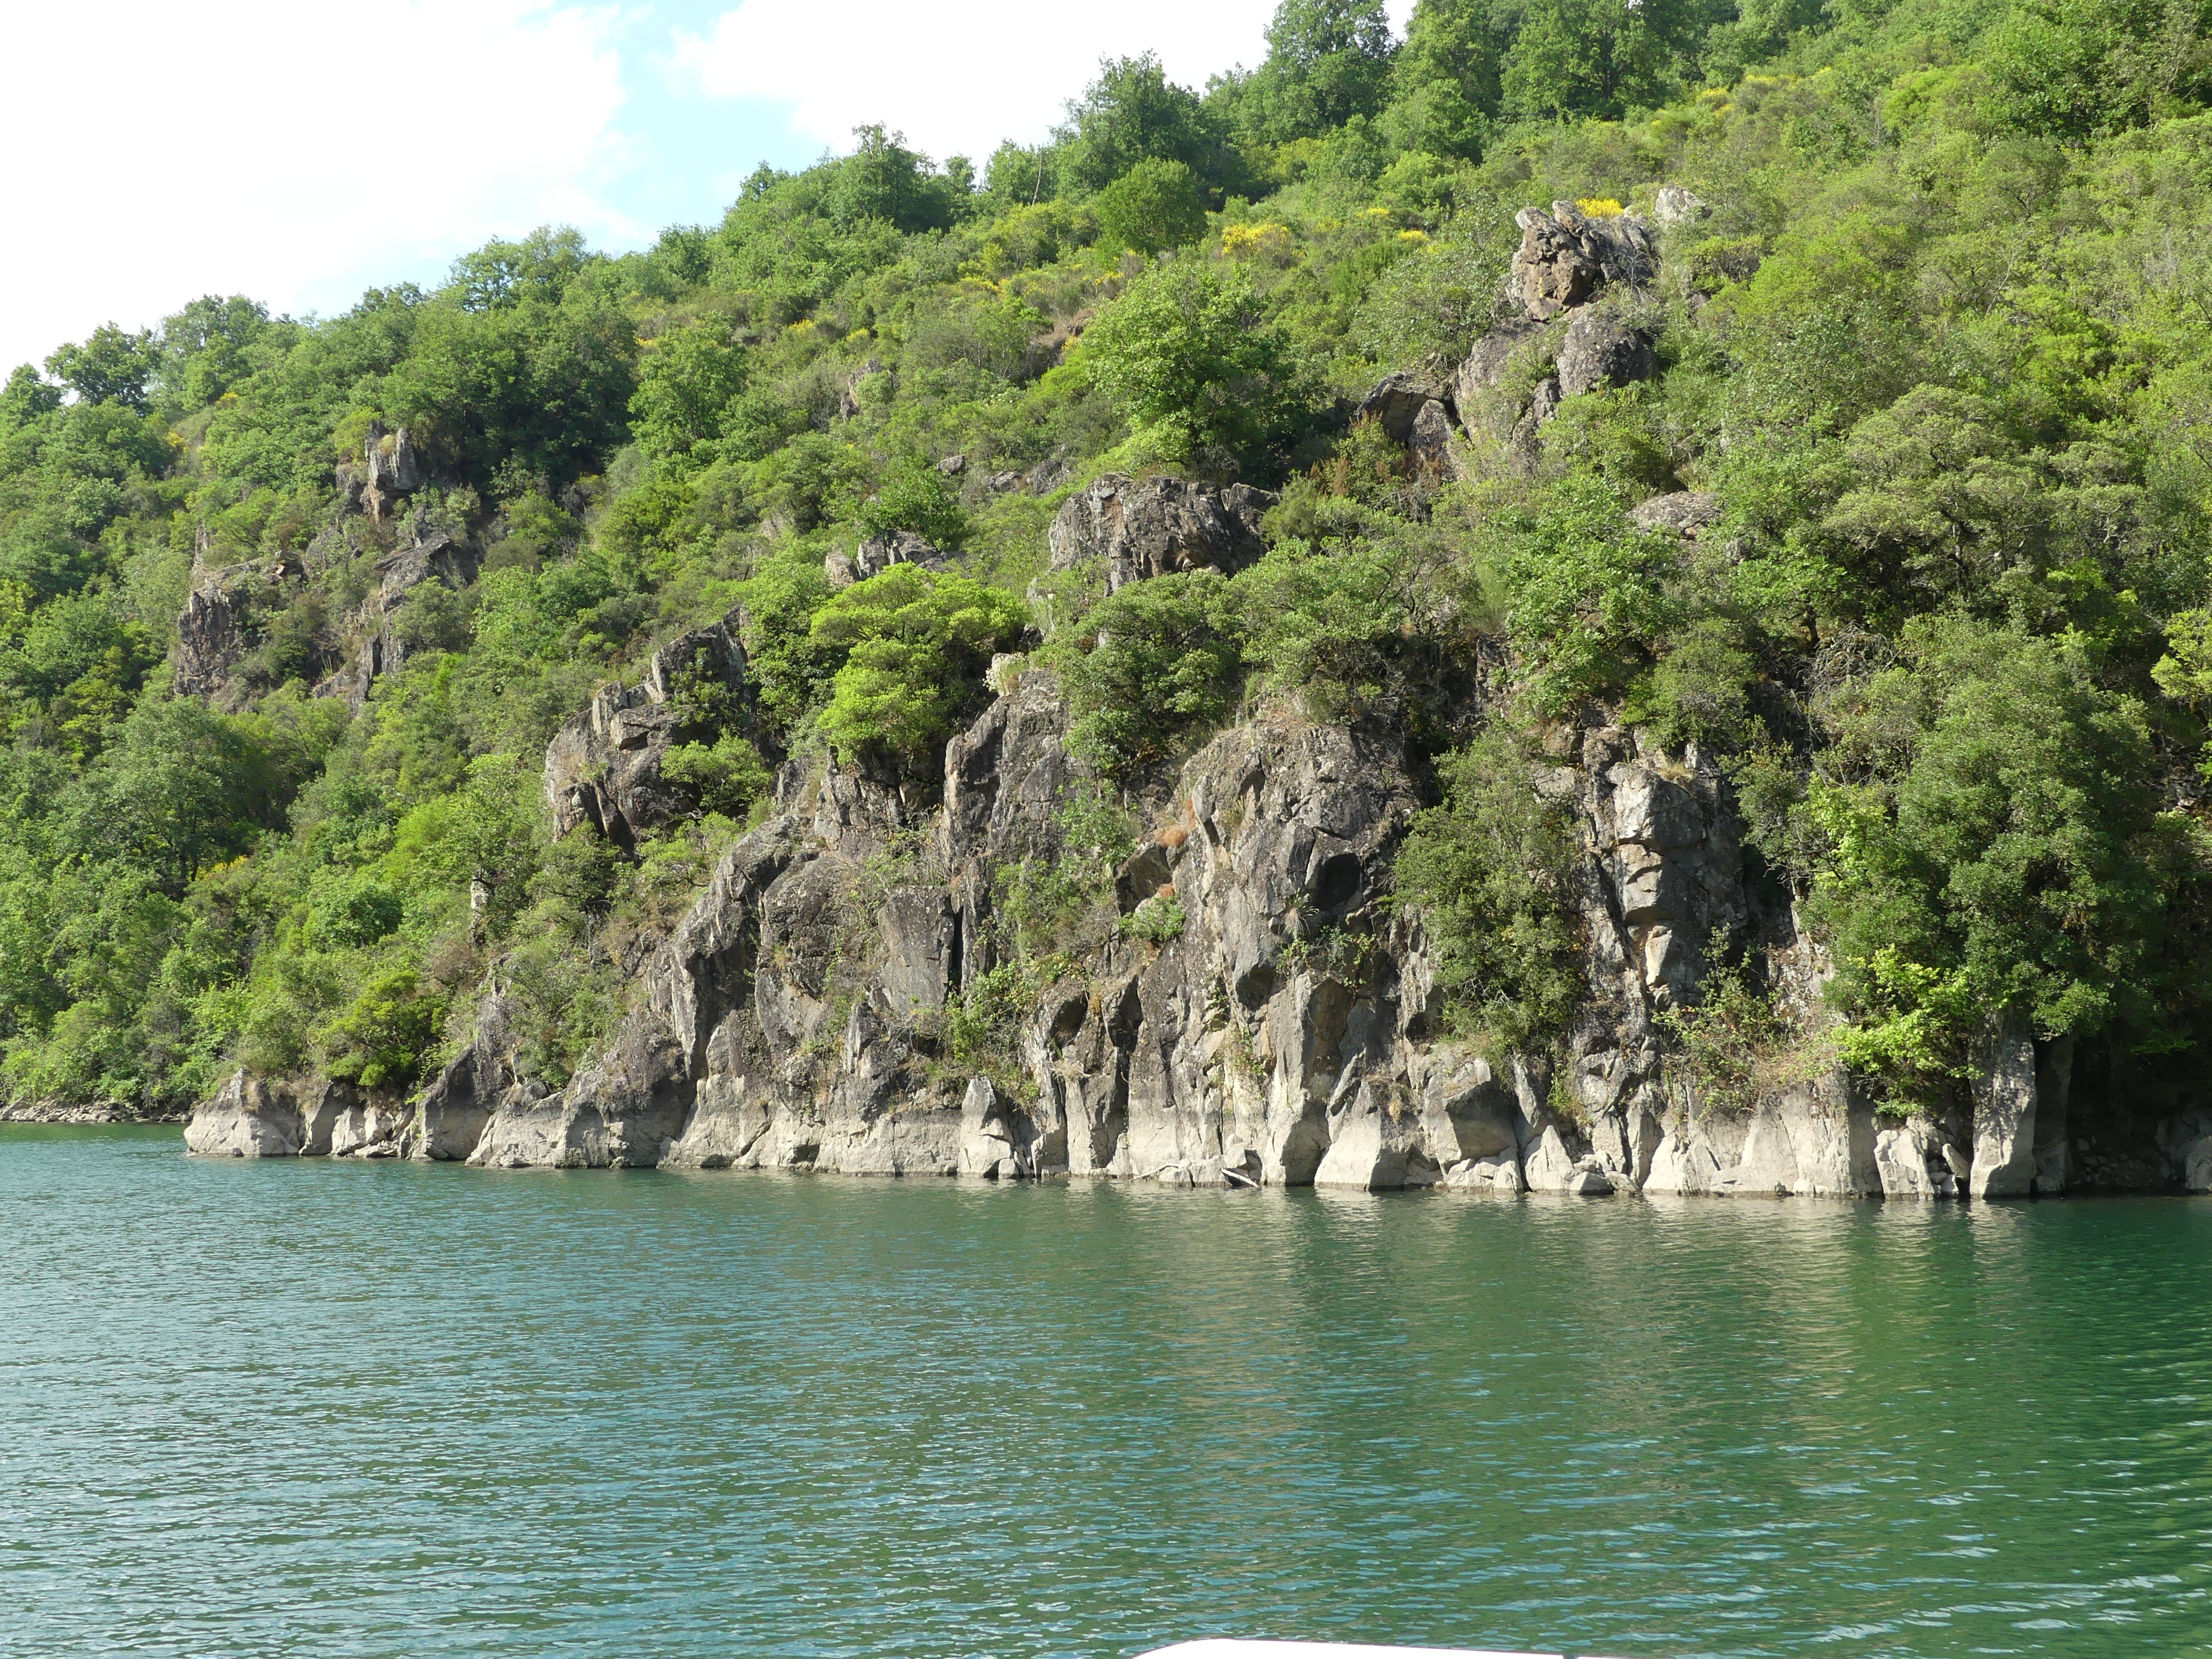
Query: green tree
[1999, 860]
[687, 381]
[882, 179]
[914, 495]
[1489, 871]
[26, 398]
[789, 665]
[1328, 61]
[1153, 206]
[2079, 67]
[112, 366]
[1585, 596]
[517, 364]
[1132, 112]
[1186, 352]
[1444, 87]
[385, 1034]
[727, 775]
[206, 347]
[1596, 57]
[183, 788]
[1159, 659]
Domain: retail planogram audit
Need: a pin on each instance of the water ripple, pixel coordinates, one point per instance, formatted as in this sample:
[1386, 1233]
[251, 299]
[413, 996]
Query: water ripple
[318, 1409]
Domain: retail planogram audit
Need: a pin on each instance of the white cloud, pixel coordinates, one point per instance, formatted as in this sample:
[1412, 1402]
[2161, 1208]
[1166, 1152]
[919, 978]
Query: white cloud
[293, 151]
[956, 78]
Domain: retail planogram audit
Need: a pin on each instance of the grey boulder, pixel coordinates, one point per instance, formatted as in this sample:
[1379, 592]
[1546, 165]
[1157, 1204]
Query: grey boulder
[1601, 351]
[1566, 258]
[1144, 527]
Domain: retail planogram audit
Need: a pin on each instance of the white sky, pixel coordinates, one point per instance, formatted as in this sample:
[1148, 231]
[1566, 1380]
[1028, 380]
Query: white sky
[301, 150]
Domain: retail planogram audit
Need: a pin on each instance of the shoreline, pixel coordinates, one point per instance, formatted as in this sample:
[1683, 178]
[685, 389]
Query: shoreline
[88, 1117]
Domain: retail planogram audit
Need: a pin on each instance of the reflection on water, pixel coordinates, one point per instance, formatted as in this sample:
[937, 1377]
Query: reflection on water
[334, 1408]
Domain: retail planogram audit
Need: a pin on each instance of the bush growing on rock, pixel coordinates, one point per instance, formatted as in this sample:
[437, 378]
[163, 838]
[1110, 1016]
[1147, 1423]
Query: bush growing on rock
[1489, 872]
[1585, 596]
[384, 1037]
[912, 649]
[728, 775]
[1997, 857]
[1163, 660]
[1187, 351]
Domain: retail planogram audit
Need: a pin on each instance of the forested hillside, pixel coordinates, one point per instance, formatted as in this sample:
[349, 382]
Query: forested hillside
[290, 610]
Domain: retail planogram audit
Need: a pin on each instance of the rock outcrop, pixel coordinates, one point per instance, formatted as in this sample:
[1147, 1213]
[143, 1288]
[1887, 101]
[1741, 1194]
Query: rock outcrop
[1685, 513]
[1416, 410]
[1240, 1004]
[2004, 1097]
[854, 397]
[220, 624]
[1288, 1031]
[378, 647]
[879, 554]
[1138, 528]
[1566, 256]
[1601, 351]
[604, 767]
[1400, 400]
[819, 1007]
[1515, 378]
[1677, 206]
[247, 1118]
[388, 469]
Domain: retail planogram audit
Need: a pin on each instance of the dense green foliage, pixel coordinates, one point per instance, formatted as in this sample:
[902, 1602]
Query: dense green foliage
[1938, 350]
[1491, 869]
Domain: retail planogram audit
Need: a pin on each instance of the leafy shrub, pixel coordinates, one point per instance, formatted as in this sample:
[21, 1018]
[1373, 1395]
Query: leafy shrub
[788, 664]
[914, 649]
[1157, 921]
[1701, 691]
[984, 1022]
[1048, 902]
[1154, 205]
[362, 912]
[1337, 621]
[2005, 865]
[1164, 660]
[914, 495]
[1489, 871]
[578, 875]
[686, 382]
[385, 1035]
[728, 775]
[1188, 353]
[1584, 594]
[1617, 434]
[1733, 1045]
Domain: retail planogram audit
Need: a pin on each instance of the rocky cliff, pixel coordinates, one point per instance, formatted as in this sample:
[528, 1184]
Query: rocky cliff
[1287, 1031]
[1240, 1004]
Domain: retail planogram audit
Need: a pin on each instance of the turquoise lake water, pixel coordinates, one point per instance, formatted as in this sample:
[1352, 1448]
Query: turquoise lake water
[336, 1408]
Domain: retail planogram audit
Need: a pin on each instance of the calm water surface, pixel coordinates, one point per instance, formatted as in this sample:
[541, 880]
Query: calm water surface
[318, 1408]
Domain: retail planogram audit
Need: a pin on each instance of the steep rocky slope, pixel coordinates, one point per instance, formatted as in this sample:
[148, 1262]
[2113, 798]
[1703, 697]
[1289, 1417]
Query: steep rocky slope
[1289, 1034]
[1252, 1010]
